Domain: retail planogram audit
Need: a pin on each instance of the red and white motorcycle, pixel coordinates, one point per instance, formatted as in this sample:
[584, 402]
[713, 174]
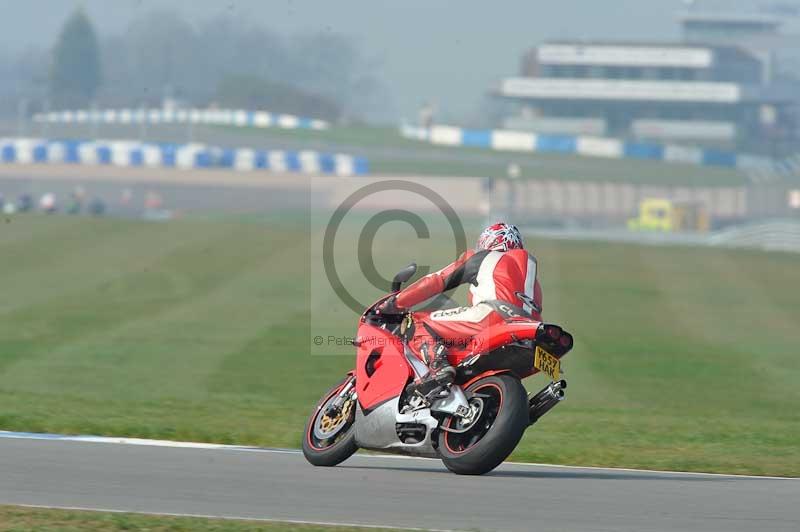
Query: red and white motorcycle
[472, 426]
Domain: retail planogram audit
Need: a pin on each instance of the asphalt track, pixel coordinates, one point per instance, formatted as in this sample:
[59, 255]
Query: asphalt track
[182, 197]
[274, 484]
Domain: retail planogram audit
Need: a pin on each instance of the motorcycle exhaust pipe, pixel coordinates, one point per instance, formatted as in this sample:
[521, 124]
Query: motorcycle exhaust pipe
[554, 390]
[542, 402]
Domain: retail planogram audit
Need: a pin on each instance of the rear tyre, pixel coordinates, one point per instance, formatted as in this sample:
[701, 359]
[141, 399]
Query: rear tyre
[494, 434]
[328, 441]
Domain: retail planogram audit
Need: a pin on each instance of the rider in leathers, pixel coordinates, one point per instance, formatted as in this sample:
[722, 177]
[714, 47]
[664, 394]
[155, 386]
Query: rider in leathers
[499, 270]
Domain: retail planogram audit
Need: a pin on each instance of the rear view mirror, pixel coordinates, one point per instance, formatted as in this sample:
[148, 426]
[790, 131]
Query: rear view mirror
[403, 275]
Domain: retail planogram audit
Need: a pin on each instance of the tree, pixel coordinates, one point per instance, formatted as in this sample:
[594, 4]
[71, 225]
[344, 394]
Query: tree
[253, 92]
[75, 75]
[232, 62]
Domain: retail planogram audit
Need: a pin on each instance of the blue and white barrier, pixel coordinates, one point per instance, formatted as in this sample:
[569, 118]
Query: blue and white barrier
[228, 117]
[611, 148]
[186, 156]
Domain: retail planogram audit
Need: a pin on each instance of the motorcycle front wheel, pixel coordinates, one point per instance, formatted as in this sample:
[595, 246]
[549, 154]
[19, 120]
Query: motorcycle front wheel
[330, 439]
[497, 428]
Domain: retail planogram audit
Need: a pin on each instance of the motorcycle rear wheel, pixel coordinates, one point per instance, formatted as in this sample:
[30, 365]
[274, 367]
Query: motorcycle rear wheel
[494, 435]
[340, 444]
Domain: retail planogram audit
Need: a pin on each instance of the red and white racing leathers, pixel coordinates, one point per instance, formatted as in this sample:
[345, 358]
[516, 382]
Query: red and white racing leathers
[493, 276]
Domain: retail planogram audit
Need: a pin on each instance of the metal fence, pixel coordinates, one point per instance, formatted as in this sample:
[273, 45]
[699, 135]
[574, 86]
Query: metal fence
[771, 235]
[607, 203]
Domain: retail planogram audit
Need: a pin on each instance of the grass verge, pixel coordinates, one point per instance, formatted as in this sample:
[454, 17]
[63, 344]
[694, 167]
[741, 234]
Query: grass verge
[19, 519]
[685, 358]
[390, 153]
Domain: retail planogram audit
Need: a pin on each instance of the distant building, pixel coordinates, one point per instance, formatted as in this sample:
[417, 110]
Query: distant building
[773, 35]
[727, 28]
[732, 81]
[714, 94]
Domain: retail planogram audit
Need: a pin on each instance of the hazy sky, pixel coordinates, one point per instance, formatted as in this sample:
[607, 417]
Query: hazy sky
[446, 51]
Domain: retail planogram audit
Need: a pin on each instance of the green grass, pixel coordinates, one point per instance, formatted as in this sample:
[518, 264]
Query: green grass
[356, 135]
[450, 161]
[19, 519]
[685, 358]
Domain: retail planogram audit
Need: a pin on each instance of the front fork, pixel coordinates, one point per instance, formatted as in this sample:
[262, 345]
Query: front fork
[336, 405]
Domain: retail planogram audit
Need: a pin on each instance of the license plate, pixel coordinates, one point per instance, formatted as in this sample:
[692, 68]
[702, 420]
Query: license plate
[547, 363]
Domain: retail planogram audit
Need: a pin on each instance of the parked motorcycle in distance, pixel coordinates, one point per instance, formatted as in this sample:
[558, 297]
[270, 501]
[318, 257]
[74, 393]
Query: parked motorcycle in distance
[472, 426]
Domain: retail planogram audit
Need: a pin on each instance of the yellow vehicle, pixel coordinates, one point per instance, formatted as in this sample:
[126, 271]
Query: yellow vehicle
[659, 214]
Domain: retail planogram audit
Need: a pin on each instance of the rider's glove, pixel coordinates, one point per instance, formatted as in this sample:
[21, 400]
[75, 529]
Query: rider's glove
[389, 306]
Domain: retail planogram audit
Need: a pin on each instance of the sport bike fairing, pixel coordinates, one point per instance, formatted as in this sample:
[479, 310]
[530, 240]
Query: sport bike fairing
[381, 368]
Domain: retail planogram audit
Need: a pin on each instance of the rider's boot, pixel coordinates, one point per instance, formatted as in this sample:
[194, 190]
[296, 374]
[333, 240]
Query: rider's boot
[440, 376]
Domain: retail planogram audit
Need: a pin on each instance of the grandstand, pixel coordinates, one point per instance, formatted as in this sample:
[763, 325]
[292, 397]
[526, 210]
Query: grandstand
[718, 95]
[722, 86]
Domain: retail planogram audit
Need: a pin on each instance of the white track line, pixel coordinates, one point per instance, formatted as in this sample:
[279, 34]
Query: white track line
[245, 448]
[232, 518]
